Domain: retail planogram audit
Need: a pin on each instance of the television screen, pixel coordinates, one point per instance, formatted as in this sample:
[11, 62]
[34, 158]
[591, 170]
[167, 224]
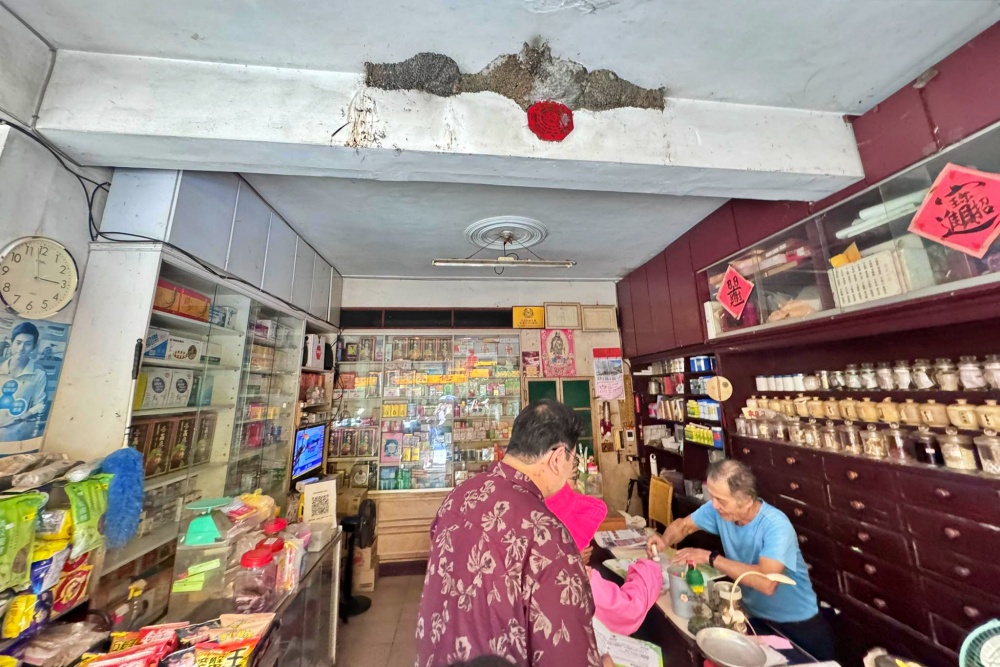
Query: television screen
[309, 445]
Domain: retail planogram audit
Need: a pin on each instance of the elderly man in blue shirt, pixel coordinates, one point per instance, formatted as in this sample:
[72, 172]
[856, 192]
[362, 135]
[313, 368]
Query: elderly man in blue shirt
[756, 537]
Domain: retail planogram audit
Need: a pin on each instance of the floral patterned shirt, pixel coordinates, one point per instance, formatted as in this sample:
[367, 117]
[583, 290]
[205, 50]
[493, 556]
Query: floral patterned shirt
[504, 578]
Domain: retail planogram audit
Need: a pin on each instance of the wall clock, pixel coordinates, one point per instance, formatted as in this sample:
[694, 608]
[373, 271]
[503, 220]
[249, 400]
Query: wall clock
[38, 277]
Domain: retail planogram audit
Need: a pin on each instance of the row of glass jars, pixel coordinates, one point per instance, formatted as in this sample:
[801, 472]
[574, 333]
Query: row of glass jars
[894, 443]
[960, 414]
[968, 374]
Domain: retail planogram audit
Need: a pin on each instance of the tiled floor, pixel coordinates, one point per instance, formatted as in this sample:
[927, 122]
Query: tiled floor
[383, 636]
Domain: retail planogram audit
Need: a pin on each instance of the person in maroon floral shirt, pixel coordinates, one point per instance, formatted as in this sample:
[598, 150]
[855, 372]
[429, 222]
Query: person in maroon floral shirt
[504, 577]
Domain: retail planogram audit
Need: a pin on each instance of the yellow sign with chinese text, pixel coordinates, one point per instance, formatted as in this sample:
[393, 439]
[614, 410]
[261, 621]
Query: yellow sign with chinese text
[529, 317]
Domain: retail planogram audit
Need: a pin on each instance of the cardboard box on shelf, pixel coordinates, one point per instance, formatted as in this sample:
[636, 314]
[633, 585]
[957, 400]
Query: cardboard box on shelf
[349, 501]
[156, 343]
[364, 580]
[156, 383]
[167, 296]
[193, 304]
[364, 559]
[179, 393]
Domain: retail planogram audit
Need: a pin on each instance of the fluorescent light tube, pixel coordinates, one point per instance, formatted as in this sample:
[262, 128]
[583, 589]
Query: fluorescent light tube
[506, 262]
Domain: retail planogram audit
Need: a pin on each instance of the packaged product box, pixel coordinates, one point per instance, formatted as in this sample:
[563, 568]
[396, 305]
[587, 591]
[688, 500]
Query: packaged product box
[186, 350]
[201, 390]
[157, 341]
[140, 390]
[160, 443]
[157, 383]
[364, 580]
[365, 558]
[183, 441]
[139, 434]
[180, 389]
[193, 304]
[204, 438]
[167, 296]
[349, 501]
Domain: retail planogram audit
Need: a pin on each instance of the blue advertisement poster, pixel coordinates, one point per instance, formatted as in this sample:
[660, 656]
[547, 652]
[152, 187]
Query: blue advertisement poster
[31, 358]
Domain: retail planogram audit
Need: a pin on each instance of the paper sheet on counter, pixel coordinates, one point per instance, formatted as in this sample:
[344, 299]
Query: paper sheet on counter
[626, 651]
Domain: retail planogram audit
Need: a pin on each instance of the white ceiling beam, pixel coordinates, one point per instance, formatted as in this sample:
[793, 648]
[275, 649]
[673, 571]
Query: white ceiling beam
[170, 114]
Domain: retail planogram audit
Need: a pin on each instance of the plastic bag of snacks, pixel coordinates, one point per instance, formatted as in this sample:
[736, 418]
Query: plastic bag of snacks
[121, 641]
[17, 535]
[235, 654]
[263, 504]
[162, 634]
[240, 627]
[47, 561]
[148, 655]
[55, 524]
[88, 502]
[26, 613]
[197, 633]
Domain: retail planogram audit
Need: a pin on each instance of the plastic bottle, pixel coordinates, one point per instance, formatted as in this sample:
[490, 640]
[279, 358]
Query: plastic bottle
[695, 580]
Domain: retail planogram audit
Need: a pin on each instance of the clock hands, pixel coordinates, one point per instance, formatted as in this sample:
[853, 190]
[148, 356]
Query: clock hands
[46, 280]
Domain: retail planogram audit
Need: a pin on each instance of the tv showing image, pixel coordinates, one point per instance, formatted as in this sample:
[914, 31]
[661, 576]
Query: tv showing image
[309, 446]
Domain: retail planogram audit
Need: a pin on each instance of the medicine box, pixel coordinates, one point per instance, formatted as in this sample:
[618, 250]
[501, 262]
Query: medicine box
[180, 389]
[157, 384]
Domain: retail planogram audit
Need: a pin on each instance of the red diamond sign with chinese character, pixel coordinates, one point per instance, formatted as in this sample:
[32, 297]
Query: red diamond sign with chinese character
[960, 211]
[734, 292]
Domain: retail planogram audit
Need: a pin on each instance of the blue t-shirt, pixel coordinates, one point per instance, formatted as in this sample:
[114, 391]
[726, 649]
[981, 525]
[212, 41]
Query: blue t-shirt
[769, 535]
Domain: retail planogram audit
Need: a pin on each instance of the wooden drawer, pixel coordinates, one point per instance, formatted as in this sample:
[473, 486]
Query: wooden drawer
[822, 571]
[754, 453]
[815, 546]
[937, 558]
[905, 608]
[888, 546]
[959, 495]
[953, 534]
[960, 605]
[863, 628]
[894, 580]
[852, 472]
[948, 634]
[803, 515]
[871, 509]
[797, 460]
[805, 489]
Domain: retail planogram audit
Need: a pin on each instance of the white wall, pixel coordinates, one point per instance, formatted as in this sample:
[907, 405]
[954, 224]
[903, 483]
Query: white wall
[494, 293]
[24, 66]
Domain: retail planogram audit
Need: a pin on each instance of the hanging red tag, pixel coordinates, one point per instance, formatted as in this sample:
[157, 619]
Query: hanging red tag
[734, 292]
[960, 211]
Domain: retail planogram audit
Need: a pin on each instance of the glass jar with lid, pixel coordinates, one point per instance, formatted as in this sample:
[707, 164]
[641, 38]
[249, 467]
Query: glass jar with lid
[963, 415]
[922, 374]
[828, 438]
[991, 370]
[883, 376]
[957, 450]
[849, 409]
[933, 413]
[909, 412]
[824, 380]
[946, 374]
[874, 444]
[810, 434]
[811, 383]
[796, 432]
[779, 430]
[867, 410]
[988, 445]
[868, 379]
[741, 427]
[850, 438]
[753, 428]
[970, 374]
[900, 446]
[888, 411]
[837, 380]
[852, 377]
[988, 415]
[901, 375]
[831, 410]
[764, 429]
[928, 449]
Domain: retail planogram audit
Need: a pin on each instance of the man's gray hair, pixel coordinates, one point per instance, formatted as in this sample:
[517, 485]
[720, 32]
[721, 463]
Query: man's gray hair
[737, 475]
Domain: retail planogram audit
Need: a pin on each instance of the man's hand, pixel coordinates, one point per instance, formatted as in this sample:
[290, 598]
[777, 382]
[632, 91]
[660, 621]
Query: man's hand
[606, 661]
[698, 556]
[655, 541]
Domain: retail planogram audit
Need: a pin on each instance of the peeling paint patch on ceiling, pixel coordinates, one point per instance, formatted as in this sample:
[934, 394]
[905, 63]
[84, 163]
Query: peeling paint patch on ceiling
[550, 6]
[530, 76]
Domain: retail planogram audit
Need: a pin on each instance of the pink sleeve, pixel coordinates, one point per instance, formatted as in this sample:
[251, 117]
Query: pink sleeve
[623, 608]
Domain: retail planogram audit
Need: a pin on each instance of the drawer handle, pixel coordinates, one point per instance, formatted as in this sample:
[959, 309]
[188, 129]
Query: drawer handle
[794, 486]
[858, 505]
[803, 539]
[870, 569]
[851, 475]
[971, 612]
[797, 511]
[790, 460]
[864, 537]
[746, 450]
[880, 603]
[952, 533]
[943, 494]
[961, 571]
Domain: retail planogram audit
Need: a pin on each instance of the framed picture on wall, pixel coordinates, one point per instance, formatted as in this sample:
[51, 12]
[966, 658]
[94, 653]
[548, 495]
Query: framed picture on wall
[599, 318]
[562, 316]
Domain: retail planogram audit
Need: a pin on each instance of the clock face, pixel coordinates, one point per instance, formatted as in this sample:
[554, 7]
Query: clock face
[38, 277]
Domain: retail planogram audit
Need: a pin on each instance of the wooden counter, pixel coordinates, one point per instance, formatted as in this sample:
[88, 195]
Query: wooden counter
[403, 523]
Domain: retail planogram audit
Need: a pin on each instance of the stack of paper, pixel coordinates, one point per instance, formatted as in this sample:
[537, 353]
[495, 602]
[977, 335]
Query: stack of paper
[613, 539]
[625, 651]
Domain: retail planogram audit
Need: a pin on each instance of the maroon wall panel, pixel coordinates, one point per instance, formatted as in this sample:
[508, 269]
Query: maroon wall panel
[641, 313]
[893, 135]
[687, 311]
[625, 313]
[756, 220]
[965, 95]
[659, 302]
[714, 238]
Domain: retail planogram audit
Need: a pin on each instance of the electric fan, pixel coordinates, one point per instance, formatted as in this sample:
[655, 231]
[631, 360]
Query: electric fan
[982, 647]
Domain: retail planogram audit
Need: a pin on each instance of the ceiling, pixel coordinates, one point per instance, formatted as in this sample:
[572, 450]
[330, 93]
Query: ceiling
[377, 228]
[842, 55]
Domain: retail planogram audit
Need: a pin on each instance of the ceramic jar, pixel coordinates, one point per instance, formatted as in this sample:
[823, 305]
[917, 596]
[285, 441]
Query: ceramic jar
[873, 443]
[988, 445]
[811, 383]
[850, 438]
[946, 374]
[970, 374]
[867, 410]
[849, 409]
[900, 447]
[816, 408]
[922, 374]
[788, 406]
[799, 381]
[902, 377]
[868, 379]
[933, 413]
[828, 438]
[852, 377]
[831, 409]
[887, 411]
[963, 415]
[774, 405]
[957, 450]
[801, 406]
[991, 370]
[810, 435]
[928, 449]
[752, 402]
[884, 378]
[909, 412]
[989, 415]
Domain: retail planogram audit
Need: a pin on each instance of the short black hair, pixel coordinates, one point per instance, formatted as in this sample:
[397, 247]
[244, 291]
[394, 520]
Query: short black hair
[541, 426]
[25, 328]
[485, 661]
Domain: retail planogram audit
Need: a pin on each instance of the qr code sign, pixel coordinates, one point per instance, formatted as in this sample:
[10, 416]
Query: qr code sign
[318, 501]
[320, 505]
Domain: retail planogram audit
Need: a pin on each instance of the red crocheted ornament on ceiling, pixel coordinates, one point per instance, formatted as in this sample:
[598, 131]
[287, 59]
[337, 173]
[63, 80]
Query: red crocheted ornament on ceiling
[550, 121]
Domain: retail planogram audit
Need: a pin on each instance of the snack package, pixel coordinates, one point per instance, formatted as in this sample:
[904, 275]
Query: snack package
[263, 504]
[18, 463]
[236, 654]
[42, 475]
[197, 633]
[72, 586]
[26, 613]
[240, 627]
[55, 524]
[17, 534]
[186, 657]
[88, 501]
[9, 661]
[162, 634]
[47, 561]
[121, 641]
[137, 656]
